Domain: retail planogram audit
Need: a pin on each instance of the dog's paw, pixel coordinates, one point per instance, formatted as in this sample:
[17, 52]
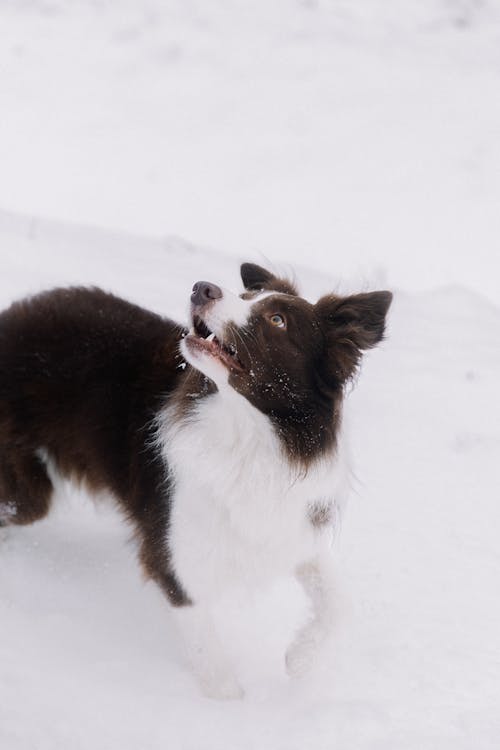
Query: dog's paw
[222, 687]
[300, 657]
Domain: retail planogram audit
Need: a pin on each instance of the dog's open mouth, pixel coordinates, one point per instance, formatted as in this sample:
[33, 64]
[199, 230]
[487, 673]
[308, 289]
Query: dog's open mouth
[202, 338]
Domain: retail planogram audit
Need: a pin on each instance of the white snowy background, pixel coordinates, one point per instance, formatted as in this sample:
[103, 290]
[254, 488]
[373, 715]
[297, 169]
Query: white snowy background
[145, 144]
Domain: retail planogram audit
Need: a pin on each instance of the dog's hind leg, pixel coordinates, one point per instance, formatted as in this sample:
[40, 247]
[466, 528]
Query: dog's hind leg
[25, 489]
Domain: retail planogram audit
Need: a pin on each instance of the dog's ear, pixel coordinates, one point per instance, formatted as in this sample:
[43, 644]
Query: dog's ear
[350, 326]
[256, 279]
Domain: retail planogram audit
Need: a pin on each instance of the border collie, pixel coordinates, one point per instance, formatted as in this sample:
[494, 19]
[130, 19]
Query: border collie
[221, 443]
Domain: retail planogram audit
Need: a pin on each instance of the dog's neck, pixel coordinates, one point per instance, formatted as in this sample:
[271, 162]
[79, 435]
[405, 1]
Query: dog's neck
[307, 432]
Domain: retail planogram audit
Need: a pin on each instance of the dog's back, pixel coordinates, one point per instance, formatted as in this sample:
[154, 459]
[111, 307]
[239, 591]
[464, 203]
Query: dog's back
[82, 376]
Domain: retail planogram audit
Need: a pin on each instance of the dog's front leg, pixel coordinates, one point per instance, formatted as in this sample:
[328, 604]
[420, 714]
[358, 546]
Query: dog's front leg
[205, 652]
[316, 579]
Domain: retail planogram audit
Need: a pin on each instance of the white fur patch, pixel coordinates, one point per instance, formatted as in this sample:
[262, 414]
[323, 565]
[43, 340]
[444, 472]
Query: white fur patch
[231, 309]
[240, 511]
[206, 653]
[228, 309]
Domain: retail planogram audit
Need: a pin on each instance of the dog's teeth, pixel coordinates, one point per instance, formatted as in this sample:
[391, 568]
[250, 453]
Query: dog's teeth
[211, 337]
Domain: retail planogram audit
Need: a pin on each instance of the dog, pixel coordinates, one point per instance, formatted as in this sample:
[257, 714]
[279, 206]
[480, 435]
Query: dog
[222, 443]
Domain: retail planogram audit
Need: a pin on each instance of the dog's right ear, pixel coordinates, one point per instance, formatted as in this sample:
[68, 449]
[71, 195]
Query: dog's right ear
[257, 279]
[350, 325]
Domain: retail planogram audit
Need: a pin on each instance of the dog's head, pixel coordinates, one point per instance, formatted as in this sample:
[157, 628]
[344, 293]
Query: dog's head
[286, 356]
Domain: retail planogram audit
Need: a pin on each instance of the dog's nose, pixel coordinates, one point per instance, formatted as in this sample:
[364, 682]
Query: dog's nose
[204, 291]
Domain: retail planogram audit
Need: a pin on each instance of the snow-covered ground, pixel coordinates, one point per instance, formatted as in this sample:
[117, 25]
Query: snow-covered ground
[360, 139]
[360, 136]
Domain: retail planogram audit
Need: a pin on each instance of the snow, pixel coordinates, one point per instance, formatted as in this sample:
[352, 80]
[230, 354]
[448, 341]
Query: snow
[359, 136]
[356, 143]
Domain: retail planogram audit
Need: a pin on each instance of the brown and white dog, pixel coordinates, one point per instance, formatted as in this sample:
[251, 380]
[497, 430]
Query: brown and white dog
[222, 444]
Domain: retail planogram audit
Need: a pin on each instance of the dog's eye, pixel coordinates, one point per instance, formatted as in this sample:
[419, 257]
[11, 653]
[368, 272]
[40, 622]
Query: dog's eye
[278, 321]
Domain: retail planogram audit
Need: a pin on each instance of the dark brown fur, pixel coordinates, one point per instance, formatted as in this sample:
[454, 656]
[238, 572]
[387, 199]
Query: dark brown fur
[296, 376]
[258, 279]
[321, 513]
[82, 376]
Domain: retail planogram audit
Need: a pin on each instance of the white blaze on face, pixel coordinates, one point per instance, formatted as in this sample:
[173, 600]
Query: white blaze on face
[228, 309]
[231, 309]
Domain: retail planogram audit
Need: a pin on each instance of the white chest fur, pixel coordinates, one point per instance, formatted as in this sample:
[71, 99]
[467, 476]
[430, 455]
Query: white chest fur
[240, 513]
